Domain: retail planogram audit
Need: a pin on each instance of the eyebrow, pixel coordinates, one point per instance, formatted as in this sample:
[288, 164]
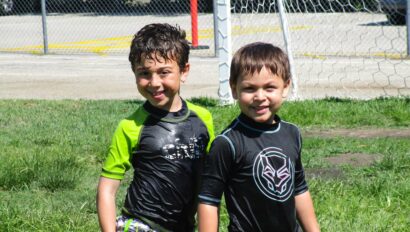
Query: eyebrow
[145, 68]
[249, 83]
[140, 69]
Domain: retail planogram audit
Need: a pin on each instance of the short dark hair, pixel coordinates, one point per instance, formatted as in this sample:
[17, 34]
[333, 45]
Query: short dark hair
[160, 39]
[253, 57]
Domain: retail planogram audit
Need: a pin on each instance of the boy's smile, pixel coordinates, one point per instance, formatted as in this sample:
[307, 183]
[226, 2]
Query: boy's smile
[158, 80]
[260, 95]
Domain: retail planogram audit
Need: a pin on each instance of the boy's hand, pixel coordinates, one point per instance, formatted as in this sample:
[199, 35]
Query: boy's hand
[208, 218]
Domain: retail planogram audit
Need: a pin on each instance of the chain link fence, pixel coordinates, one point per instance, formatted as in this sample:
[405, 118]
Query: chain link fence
[96, 26]
[340, 48]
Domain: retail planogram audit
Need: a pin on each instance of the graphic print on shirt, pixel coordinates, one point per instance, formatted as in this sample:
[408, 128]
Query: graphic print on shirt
[273, 173]
[178, 150]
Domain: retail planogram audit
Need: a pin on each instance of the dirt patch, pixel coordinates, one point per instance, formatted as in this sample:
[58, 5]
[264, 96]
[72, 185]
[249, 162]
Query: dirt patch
[356, 160]
[359, 133]
[324, 173]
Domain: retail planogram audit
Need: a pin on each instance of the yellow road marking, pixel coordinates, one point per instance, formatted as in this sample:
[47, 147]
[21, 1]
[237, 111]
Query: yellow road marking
[103, 46]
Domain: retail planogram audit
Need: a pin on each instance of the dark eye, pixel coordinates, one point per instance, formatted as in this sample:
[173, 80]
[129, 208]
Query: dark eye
[164, 73]
[270, 88]
[247, 89]
[142, 73]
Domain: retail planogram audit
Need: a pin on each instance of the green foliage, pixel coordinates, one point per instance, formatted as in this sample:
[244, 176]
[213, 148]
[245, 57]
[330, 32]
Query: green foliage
[346, 113]
[38, 169]
[36, 210]
[52, 152]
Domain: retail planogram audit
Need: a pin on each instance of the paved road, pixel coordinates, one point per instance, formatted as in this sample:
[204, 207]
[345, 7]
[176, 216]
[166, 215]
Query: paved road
[110, 77]
[89, 77]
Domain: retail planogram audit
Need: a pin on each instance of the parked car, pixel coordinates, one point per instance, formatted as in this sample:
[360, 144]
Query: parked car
[34, 6]
[395, 11]
[7, 6]
[20, 6]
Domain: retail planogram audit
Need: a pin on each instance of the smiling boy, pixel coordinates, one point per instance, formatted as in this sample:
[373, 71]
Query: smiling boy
[165, 141]
[256, 161]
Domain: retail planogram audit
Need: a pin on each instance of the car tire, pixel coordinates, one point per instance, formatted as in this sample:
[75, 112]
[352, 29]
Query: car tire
[7, 7]
[396, 18]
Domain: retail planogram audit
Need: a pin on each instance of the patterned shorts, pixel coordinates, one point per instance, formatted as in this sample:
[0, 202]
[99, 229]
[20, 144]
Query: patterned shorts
[127, 224]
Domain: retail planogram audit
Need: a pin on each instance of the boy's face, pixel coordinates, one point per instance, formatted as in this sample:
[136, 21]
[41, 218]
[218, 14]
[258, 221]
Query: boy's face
[159, 82]
[260, 95]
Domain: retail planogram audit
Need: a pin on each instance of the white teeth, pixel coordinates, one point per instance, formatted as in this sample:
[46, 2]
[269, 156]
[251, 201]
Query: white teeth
[157, 93]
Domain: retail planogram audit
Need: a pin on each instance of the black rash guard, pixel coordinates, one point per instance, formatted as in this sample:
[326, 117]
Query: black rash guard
[167, 159]
[258, 168]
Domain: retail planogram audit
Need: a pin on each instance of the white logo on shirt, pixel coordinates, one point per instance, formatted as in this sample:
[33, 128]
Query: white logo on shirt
[273, 173]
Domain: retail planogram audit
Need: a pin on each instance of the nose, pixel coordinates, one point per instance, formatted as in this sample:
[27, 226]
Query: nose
[259, 95]
[155, 80]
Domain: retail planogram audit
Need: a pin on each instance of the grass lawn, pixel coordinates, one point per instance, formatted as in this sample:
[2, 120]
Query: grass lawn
[52, 152]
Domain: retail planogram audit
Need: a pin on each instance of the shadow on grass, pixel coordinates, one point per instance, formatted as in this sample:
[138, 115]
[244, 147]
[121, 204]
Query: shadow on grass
[204, 101]
[201, 101]
[134, 102]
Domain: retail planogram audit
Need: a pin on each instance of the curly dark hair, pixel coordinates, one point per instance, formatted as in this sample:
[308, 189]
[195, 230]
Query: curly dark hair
[160, 39]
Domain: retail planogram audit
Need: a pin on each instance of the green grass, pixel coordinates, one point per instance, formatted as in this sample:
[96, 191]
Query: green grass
[51, 155]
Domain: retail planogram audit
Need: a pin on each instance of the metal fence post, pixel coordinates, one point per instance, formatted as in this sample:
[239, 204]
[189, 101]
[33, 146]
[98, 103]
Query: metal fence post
[408, 27]
[215, 11]
[44, 22]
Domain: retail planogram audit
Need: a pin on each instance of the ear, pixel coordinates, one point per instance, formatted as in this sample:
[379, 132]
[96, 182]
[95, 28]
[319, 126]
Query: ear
[135, 76]
[286, 88]
[185, 72]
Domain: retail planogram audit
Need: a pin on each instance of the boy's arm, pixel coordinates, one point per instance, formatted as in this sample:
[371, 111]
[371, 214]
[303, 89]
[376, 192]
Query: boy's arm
[215, 175]
[306, 213]
[107, 189]
[208, 218]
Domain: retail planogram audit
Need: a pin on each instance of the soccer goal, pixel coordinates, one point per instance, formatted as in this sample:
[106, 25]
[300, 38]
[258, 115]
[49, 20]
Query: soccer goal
[337, 48]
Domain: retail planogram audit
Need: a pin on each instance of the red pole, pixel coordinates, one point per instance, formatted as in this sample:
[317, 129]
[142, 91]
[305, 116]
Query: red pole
[194, 22]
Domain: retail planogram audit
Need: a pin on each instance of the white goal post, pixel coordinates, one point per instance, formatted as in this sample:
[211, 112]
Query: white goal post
[223, 48]
[340, 48]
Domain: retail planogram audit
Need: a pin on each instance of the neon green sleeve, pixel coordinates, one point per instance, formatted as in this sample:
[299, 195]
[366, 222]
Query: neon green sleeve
[206, 117]
[123, 143]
